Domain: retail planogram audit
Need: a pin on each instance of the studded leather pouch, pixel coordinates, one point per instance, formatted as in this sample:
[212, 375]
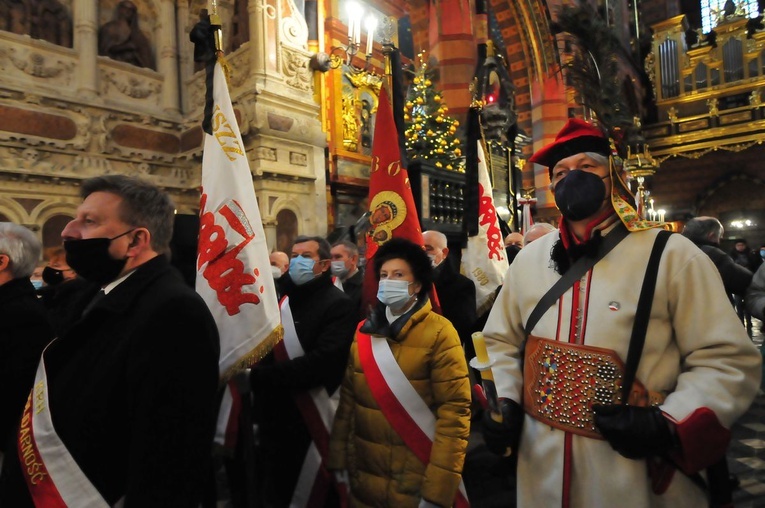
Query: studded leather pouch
[562, 381]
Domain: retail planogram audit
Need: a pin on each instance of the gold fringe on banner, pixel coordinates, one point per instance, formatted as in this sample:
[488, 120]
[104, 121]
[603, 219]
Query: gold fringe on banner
[254, 356]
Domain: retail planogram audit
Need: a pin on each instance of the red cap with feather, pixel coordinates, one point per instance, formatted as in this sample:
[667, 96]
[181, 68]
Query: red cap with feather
[577, 136]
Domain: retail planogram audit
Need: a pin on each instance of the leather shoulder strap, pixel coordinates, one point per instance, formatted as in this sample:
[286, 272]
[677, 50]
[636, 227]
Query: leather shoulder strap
[643, 313]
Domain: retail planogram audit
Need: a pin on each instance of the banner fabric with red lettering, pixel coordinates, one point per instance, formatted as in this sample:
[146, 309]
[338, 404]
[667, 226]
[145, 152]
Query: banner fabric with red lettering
[233, 269]
[484, 260]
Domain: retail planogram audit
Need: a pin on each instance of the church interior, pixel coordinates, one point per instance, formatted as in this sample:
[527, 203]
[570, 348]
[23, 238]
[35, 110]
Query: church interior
[98, 87]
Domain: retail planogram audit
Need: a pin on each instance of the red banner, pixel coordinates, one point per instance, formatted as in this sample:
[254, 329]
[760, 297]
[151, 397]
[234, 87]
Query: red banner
[391, 204]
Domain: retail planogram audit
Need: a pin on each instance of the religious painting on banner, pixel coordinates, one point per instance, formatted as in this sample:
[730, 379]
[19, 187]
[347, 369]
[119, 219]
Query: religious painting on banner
[484, 260]
[233, 269]
[391, 204]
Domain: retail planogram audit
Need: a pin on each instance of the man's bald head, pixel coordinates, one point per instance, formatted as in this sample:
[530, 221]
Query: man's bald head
[435, 246]
[514, 239]
[280, 260]
[537, 231]
[704, 229]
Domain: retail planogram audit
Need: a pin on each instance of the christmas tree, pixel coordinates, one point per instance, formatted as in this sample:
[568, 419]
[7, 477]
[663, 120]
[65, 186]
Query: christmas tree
[430, 131]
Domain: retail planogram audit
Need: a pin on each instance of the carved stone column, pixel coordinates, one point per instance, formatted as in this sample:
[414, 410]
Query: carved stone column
[269, 229]
[255, 9]
[168, 54]
[186, 53]
[85, 13]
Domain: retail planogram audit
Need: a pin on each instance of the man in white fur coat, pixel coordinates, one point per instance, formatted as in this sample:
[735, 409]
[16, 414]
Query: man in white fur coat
[577, 443]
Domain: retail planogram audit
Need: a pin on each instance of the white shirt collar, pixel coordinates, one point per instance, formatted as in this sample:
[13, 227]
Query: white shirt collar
[113, 284]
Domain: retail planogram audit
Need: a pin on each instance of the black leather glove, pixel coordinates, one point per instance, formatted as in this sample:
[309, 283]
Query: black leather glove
[634, 432]
[499, 436]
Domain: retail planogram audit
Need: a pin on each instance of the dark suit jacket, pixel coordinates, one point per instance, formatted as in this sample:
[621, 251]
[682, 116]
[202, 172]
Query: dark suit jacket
[736, 278]
[325, 322]
[59, 300]
[456, 293]
[133, 391]
[24, 333]
[352, 288]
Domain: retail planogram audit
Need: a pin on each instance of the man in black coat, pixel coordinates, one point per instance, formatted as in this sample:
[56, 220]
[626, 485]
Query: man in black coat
[132, 383]
[280, 262]
[746, 257]
[345, 266]
[456, 293]
[706, 233]
[24, 327]
[324, 320]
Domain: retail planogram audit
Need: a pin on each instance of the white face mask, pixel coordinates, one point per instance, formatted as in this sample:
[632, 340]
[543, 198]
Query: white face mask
[433, 262]
[338, 269]
[276, 272]
[394, 293]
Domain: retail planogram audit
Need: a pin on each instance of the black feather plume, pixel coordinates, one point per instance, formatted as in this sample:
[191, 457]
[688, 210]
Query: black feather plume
[593, 68]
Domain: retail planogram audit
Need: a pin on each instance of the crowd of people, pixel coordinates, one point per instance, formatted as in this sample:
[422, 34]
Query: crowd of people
[618, 360]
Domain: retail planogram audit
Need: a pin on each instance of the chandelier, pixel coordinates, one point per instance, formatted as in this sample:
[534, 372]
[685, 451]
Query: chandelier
[639, 164]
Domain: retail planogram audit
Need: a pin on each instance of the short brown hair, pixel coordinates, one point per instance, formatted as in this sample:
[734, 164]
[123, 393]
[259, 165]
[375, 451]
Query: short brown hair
[144, 205]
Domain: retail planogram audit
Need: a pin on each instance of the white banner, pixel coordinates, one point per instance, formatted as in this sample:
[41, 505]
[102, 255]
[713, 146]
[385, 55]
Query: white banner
[484, 260]
[527, 219]
[233, 270]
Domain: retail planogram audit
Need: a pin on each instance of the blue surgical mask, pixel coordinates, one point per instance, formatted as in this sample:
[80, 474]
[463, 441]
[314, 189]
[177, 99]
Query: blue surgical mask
[394, 293]
[339, 269]
[301, 270]
[762, 253]
[37, 284]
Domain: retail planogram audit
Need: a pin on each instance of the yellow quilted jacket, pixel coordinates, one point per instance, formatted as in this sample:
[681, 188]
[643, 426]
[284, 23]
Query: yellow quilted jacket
[383, 472]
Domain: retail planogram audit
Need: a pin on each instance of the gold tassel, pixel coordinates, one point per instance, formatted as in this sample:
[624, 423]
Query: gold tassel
[254, 356]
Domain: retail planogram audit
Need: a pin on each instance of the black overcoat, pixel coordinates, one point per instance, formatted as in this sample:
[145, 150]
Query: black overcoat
[24, 333]
[133, 391]
[325, 321]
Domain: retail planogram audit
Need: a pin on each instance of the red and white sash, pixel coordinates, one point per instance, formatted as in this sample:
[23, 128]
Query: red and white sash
[318, 411]
[399, 402]
[53, 477]
[227, 426]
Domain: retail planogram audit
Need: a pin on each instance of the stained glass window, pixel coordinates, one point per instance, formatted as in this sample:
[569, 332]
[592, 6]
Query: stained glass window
[712, 11]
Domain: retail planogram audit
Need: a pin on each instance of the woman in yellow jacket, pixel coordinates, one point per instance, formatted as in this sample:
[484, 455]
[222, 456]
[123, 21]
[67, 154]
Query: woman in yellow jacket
[383, 464]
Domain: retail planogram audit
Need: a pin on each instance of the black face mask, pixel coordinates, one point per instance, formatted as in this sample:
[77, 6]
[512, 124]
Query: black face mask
[91, 260]
[52, 277]
[580, 194]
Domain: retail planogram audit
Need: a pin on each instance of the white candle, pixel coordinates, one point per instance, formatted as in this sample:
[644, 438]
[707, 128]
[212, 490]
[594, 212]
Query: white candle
[353, 9]
[357, 27]
[371, 25]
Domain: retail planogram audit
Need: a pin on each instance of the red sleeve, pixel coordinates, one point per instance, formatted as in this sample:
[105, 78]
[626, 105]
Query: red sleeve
[703, 441]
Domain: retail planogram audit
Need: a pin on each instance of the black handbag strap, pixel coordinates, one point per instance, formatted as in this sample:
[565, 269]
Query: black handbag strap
[643, 314]
[573, 274]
